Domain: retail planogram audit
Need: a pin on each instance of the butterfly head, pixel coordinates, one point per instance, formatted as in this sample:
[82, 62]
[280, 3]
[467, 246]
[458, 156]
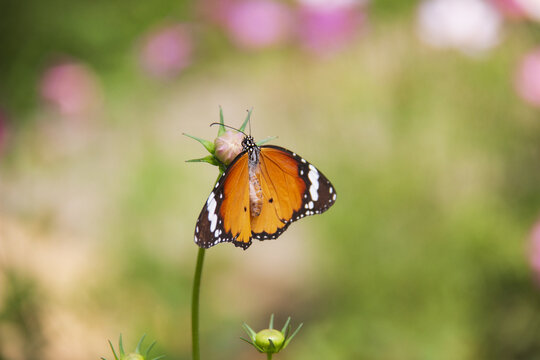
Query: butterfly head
[248, 143]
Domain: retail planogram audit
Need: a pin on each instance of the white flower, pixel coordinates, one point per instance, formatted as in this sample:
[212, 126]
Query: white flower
[531, 7]
[471, 26]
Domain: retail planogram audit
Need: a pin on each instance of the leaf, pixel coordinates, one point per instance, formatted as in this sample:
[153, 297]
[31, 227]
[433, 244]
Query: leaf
[207, 159]
[293, 335]
[209, 145]
[138, 349]
[112, 348]
[149, 348]
[121, 346]
[249, 330]
[242, 128]
[285, 331]
[221, 130]
[264, 141]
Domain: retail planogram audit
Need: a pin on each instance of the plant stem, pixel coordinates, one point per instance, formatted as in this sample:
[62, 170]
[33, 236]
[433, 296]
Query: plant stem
[195, 298]
[269, 356]
[195, 304]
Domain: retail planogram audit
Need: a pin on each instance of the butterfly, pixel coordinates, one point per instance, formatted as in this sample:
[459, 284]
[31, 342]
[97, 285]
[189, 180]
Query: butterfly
[262, 191]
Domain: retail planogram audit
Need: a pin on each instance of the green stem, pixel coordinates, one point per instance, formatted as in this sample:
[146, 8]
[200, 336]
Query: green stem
[269, 356]
[195, 298]
[195, 304]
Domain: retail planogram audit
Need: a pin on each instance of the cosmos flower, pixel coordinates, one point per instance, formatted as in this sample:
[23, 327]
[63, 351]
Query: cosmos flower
[509, 8]
[257, 24]
[325, 27]
[527, 79]
[471, 26]
[71, 88]
[167, 51]
[531, 8]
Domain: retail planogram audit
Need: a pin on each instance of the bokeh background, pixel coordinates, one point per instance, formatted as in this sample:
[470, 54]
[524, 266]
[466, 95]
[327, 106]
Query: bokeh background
[424, 115]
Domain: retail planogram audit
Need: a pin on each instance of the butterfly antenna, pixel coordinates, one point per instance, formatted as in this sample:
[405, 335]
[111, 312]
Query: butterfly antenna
[250, 121]
[230, 127]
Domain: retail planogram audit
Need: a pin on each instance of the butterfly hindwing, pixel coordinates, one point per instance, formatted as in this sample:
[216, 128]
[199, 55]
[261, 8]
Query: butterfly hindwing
[292, 189]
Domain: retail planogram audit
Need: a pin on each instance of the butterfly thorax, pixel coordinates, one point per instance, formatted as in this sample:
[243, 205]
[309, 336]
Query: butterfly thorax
[255, 189]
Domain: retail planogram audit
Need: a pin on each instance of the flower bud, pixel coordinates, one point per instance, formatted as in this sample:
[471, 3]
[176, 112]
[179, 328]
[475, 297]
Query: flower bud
[270, 340]
[228, 146]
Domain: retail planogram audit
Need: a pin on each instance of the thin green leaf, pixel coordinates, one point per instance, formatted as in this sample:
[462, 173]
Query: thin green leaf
[138, 349]
[221, 129]
[271, 324]
[102, 358]
[207, 159]
[209, 145]
[112, 348]
[248, 341]
[121, 346]
[264, 141]
[293, 335]
[247, 120]
[286, 327]
[149, 348]
[249, 330]
[159, 357]
[272, 346]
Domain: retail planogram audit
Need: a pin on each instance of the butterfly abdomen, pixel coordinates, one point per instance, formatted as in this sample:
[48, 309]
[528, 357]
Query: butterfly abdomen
[255, 195]
[255, 189]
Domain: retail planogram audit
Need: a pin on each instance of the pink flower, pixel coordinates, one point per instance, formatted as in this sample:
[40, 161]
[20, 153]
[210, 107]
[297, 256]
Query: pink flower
[527, 79]
[71, 88]
[534, 254]
[257, 24]
[167, 51]
[215, 11]
[327, 28]
[509, 8]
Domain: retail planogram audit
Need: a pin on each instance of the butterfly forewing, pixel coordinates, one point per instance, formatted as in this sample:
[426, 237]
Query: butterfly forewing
[225, 215]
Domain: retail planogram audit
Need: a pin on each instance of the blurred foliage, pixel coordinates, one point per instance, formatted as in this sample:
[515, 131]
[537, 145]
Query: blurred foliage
[20, 315]
[34, 33]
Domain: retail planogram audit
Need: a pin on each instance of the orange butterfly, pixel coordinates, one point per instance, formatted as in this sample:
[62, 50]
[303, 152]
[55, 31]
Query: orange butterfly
[261, 193]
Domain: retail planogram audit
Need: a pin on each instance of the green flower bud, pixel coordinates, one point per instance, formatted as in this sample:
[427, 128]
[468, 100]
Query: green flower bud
[270, 340]
[134, 356]
[121, 354]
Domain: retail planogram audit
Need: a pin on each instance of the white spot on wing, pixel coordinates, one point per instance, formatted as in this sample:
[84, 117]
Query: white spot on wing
[211, 207]
[314, 178]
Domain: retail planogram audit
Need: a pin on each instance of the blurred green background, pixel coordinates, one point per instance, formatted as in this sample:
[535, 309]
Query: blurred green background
[434, 157]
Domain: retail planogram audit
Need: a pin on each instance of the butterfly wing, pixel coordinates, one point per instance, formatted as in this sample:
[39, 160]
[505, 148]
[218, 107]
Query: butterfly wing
[292, 188]
[225, 215]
